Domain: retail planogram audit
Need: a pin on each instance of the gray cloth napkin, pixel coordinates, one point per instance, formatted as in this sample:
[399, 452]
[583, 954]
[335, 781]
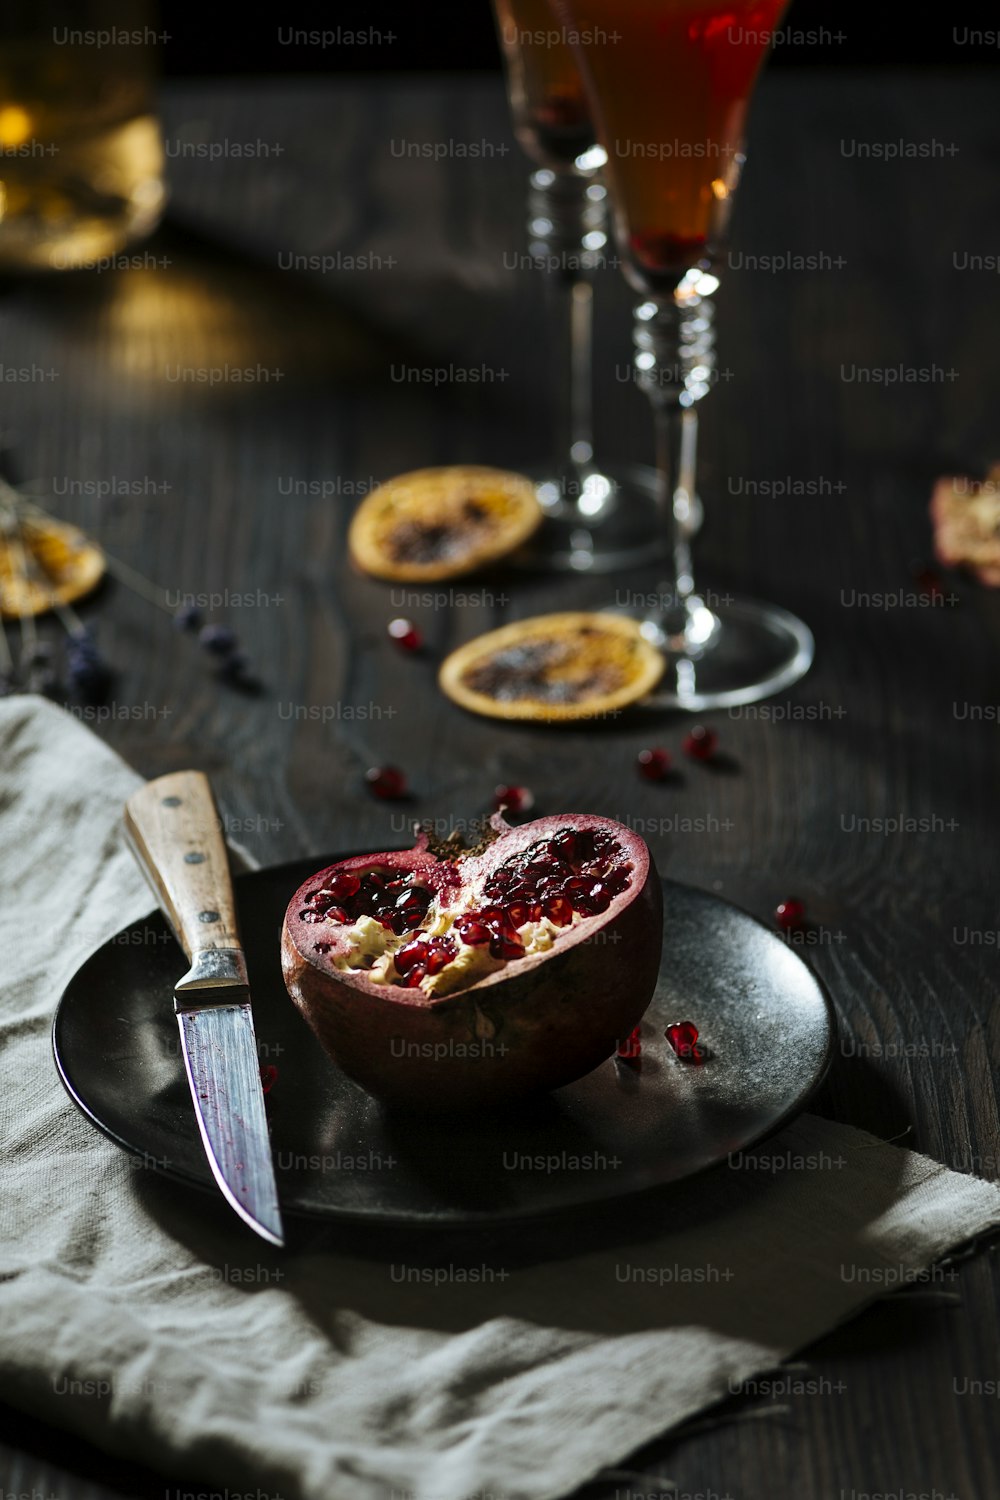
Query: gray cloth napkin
[141, 1315]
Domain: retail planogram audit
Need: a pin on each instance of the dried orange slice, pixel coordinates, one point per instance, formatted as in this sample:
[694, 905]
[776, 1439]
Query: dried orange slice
[434, 524]
[554, 668]
[44, 562]
[966, 517]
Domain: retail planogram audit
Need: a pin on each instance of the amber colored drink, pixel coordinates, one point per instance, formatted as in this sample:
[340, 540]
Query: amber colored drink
[547, 95]
[670, 99]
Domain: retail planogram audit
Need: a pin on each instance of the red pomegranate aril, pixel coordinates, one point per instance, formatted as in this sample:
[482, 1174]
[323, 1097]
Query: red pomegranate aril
[410, 954]
[336, 914]
[441, 952]
[493, 916]
[790, 915]
[515, 799]
[506, 945]
[473, 932]
[343, 884]
[518, 912]
[617, 881]
[268, 1077]
[415, 976]
[536, 911]
[701, 743]
[559, 911]
[653, 765]
[631, 1047]
[405, 634]
[683, 1037]
[386, 782]
[596, 900]
[565, 845]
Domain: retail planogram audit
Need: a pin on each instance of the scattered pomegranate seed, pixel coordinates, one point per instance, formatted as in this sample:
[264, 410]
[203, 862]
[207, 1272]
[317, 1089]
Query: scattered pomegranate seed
[343, 884]
[414, 977]
[631, 1047]
[268, 1077]
[516, 799]
[387, 782]
[441, 952]
[683, 1037]
[701, 743]
[405, 634]
[654, 765]
[929, 581]
[790, 915]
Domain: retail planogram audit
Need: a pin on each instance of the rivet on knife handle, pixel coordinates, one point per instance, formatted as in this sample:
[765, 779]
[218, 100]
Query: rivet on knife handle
[173, 826]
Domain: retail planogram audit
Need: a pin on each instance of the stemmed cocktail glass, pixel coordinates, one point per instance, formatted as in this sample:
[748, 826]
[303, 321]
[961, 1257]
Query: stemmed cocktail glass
[669, 85]
[596, 518]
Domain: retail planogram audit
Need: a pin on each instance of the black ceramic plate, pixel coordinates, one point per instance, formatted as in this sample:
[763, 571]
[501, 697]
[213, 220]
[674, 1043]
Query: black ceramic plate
[765, 1018]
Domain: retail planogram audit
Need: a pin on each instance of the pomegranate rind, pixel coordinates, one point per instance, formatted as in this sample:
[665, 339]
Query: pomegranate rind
[463, 516]
[558, 668]
[536, 1024]
[967, 526]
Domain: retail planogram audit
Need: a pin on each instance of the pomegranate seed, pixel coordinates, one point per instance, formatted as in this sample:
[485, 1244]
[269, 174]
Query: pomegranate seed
[597, 899]
[701, 743]
[631, 1047]
[442, 951]
[405, 634]
[565, 845]
[790, 915]
[654, 765]
[268, 1077]
[683, 1037]
[343, 884]
[518, 913]
[493, 916]
[516, 799]
[387, 782]
[336, 914]
[473, 932]
[415, 976]
[535, 912]
[506, 945]
[412, 953]
[559, 911]
[618, 881]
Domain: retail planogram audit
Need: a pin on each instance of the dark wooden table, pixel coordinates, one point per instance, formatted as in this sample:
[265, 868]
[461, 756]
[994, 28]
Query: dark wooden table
[248, 488]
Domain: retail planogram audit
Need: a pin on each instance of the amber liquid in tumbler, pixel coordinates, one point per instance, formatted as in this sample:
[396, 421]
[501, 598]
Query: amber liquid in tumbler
[81, 158]
[551, 115]
[674, 90]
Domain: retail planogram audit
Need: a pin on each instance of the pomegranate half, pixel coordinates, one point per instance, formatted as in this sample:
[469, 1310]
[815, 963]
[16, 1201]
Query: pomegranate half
[442, 980]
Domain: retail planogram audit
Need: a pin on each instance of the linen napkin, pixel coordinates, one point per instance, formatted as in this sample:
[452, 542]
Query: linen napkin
[141, 1314]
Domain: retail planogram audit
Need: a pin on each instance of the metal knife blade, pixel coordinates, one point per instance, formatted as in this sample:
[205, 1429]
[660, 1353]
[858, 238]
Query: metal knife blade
[174, 830]
[220, 1057]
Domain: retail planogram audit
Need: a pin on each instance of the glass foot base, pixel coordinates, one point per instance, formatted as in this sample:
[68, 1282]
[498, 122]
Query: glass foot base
[614, 523]
[736, 651]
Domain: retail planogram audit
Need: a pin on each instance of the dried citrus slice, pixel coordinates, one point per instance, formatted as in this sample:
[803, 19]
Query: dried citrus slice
[554, 667]
[966, 518]
[433, 524]
[44, 562]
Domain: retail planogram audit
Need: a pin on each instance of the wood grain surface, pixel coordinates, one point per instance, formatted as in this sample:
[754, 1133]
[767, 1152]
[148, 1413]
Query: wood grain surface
[816, 482]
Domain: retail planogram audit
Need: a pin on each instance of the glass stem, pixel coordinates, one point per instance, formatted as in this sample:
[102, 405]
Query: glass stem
[581, 410]
[675, 358]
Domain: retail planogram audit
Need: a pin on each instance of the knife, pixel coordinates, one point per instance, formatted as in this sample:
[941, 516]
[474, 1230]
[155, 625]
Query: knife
[173, 827]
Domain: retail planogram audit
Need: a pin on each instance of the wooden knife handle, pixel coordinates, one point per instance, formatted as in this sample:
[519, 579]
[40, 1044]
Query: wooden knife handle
[173, 826]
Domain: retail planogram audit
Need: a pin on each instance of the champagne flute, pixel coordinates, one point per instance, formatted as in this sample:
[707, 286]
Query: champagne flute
[669, 84]
[596, 519]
